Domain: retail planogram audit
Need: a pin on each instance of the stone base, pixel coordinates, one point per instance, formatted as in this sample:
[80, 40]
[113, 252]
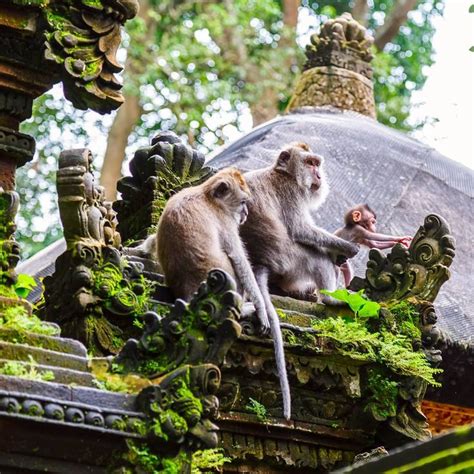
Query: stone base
[334, 86]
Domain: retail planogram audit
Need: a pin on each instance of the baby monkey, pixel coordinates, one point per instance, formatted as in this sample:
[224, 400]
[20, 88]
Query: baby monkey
[360, 222]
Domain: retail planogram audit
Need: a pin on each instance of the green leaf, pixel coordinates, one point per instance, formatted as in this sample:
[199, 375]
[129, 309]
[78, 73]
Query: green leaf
[24, 285]
[471, 49]
[471, 9]
[369, 310]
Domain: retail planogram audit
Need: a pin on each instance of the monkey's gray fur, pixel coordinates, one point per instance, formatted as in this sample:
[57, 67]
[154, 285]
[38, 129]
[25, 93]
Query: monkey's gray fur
[284, 245]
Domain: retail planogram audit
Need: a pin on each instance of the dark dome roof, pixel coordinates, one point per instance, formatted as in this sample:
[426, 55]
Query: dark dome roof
[401, 178]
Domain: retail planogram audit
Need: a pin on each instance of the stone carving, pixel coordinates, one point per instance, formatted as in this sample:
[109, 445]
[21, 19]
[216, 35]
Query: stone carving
[201, 331]
[9, 248]
[337, 71]
[418, 271]
[344, 43]
[83, 37]
[179, 409]
[61, 411]
[157, 172]
[94, 294]
[180, 354]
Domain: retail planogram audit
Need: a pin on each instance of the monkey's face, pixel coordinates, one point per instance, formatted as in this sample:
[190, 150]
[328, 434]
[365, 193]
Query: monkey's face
[365, 219]
[369, 221]
[230, 192]
[313, 165]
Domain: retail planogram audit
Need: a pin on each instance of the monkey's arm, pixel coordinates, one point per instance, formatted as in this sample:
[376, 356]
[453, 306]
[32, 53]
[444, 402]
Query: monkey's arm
[367, 235]
[313, 236]
[375, 244]
[240, 263]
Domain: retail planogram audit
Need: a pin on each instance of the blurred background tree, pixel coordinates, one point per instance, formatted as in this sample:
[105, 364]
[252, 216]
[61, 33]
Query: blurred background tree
[209, 70]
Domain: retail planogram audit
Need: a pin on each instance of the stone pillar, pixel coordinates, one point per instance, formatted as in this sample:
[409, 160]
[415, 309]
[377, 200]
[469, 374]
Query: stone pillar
[338, 71]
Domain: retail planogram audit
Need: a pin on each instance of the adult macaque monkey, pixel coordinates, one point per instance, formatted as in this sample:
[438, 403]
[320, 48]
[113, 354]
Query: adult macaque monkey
[284, 245]
[198, 231]
[360, 227]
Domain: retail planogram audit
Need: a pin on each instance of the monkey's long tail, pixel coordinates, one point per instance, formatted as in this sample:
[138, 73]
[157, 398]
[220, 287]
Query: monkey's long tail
[278, 345]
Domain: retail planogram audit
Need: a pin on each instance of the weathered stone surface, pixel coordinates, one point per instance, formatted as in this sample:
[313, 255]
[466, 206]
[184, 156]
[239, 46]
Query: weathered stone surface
[58, 344]
[14, 351]
[336, 87]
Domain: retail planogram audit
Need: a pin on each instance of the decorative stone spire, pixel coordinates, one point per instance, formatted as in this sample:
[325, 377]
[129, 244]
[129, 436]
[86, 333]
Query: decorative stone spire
[338, 71]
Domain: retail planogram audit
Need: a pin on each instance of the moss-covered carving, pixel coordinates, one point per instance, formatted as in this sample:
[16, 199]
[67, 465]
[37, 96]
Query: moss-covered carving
[179, 354]
[418, 271]
[94, 294]
[157, 172]
[201, 331]
[83, 37]
[9, 248]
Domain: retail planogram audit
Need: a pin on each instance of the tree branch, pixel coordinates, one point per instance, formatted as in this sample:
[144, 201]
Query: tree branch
[360, 11]
[393, 22]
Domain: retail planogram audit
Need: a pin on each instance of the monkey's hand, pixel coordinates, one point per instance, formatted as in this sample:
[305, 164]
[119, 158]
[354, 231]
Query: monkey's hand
[349, 249]
[405, 240]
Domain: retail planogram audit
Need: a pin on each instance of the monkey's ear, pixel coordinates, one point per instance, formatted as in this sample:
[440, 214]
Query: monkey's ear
[221, 189]
[356, 216]
[283, 159]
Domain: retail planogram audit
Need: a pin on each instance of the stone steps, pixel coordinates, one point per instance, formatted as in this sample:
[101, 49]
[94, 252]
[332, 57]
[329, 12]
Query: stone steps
[54, 343]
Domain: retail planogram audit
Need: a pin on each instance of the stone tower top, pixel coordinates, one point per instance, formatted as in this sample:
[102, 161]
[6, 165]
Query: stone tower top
[338, 70]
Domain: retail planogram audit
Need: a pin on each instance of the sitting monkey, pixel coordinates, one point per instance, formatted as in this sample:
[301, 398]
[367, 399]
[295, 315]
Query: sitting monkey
[285, 246]
[198, 231]
[360, 222]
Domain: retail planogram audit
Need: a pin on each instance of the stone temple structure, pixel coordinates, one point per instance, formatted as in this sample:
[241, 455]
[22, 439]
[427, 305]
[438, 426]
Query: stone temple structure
[109, 373]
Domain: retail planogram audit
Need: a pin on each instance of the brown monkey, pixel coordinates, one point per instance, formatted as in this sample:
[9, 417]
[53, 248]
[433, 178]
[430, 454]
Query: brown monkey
[360, 222]
[199, 231]
[284, 245]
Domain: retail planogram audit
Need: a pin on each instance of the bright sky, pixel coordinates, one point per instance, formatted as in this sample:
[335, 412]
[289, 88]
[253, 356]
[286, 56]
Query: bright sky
[448, 95]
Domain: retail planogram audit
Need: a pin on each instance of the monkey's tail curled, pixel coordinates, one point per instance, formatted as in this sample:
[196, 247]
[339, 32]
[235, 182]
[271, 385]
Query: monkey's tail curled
[280, 361]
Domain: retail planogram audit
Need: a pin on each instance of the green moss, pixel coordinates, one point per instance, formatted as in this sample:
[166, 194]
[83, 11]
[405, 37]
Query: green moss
[382, 395]
[26, 370]
[206, 459]
[258, 409]
[353, 339]
[17, 318]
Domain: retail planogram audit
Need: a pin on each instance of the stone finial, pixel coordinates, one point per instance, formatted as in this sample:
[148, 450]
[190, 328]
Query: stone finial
[338, 71]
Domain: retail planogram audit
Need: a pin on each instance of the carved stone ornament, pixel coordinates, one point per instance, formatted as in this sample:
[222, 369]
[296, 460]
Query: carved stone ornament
[83, 37]
[157, 172]
[9, 248]
[344, 43]
[179, 408]
[418, 271]
[94, 294]
[199, 332]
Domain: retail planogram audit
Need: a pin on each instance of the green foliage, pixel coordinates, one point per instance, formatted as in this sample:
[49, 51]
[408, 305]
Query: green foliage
[24, 284]
[17, 318]
[26, 371]
[206, 459]
[258, 409]
[382, 401]
[362, 307]
[141, 457]
[358, 339]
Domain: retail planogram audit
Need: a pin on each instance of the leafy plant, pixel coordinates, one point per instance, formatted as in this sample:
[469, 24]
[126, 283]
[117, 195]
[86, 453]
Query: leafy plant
[362, 307]
[258, 409]
[24, 284]
[208, 459]
[17, 318]
[26, 371]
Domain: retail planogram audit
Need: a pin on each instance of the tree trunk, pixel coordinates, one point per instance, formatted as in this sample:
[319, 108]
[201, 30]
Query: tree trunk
[123, 124]
[127, 116]
[360, 11]
[267, 106]
[395, 19]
